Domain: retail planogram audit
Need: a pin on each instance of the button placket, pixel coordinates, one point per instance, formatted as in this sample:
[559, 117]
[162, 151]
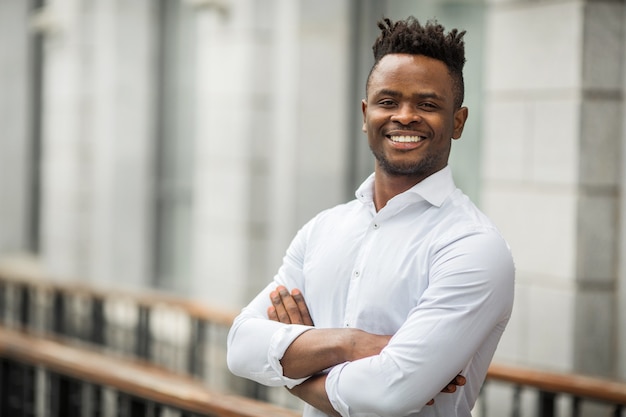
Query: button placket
[357, 273]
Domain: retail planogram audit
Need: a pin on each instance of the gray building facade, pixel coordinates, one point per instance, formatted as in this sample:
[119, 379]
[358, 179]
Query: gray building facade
[180, 144]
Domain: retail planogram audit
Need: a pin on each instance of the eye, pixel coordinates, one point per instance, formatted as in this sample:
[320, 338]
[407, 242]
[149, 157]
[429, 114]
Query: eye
[386, 102]
[428, 106]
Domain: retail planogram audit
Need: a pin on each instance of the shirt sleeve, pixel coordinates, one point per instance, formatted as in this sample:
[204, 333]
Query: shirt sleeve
[256, 344]
[468, 301]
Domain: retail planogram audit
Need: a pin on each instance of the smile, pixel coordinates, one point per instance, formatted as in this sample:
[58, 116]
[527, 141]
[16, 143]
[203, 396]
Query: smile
[407, 139]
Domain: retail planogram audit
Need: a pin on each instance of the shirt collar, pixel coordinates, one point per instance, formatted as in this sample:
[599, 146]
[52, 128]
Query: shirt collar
[434, 189]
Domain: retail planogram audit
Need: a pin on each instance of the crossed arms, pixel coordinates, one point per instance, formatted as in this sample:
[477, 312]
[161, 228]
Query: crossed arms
[319, 349]
[455, 326]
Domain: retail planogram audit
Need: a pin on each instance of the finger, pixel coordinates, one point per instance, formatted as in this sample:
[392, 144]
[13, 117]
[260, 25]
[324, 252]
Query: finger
[271, 313]
[459, 380]
[277, 303]
[302, 307]
[450, 388]
[291, 307]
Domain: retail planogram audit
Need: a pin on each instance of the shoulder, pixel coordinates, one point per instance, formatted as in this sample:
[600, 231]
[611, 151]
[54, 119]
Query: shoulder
[336, 215]
[466, 231]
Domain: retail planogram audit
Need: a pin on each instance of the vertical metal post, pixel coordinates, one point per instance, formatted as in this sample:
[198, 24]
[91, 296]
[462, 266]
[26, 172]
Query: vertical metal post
[3, 303]
[142, 347]
[24, 312]
[4, 387]
[196, 349]
[58, 313]
[98, 327]
[28, 391]
[130, 406]
[546, 404]
[91, 396]
[576, 406]
[517, 401]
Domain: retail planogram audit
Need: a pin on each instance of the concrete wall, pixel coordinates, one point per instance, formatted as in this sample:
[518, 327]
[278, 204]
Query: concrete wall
[269, 137]
[553, 135]
[272, 135]
[272, 138]
[96, 142]
[15, 150]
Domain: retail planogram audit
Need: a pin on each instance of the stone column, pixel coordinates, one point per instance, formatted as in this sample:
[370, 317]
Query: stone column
[271, 136]
[228, 130]
[312, 120]
[122, 136]
[621, 300]
[551, 157]
[65, 115]
[16, 158]
[97, 142]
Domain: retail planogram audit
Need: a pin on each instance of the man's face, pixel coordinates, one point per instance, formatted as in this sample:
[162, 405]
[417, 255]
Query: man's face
[409, 115]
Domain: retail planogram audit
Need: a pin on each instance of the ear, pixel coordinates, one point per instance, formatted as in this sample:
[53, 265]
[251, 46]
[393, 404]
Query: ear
[460, 116]
[364, 110]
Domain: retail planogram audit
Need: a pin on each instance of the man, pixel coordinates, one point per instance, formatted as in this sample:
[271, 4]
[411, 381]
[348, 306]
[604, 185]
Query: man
[381, 302]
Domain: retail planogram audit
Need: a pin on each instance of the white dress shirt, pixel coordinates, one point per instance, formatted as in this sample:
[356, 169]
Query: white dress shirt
[428, 268]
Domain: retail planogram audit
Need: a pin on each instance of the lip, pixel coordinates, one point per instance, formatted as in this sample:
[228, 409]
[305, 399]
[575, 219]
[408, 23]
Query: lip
[405, 146]
[396, 132]
[408, 141]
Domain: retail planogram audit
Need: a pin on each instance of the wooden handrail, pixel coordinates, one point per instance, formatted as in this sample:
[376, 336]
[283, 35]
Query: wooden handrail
[131, 376]
[573, 384]
[26, 272]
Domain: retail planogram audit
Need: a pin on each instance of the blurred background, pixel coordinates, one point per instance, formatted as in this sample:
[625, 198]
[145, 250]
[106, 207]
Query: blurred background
[178, 145]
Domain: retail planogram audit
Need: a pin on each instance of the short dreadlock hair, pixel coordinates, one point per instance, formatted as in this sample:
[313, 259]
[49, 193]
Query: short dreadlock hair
[410, 37]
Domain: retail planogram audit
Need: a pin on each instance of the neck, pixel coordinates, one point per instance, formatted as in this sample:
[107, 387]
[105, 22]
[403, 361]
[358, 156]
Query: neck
[388, 186]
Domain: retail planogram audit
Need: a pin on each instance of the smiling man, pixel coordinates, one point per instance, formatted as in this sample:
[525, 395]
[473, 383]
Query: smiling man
[392, 304]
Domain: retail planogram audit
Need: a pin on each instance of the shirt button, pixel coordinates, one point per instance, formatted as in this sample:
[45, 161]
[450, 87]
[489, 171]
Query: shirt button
[357, 274]
[375, 226]
[347, 324]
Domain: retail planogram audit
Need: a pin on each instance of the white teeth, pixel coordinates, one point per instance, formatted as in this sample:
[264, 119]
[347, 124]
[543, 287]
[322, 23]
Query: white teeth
[406, 138]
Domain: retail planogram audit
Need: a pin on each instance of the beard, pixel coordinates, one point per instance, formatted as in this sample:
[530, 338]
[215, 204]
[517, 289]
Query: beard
[423, 167]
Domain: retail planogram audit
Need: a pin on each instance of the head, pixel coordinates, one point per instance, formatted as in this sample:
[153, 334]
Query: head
[414, 95]
[410, 37]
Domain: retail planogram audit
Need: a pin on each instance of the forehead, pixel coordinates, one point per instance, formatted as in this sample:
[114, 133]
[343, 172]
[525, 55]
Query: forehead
[409, 74]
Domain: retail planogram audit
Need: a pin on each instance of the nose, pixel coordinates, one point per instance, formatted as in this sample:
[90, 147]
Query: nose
[406, 114]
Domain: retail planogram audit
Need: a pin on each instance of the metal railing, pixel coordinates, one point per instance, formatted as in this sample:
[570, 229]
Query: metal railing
[175, 333]
[189, 337]
[43, 377]
[557, 393]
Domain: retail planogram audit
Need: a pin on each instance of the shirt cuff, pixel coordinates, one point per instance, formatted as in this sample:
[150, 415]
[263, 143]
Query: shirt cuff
[332, 390]
[279, 343]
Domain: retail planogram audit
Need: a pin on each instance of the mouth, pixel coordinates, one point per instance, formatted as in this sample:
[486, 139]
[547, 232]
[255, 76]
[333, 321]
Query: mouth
[405, 138]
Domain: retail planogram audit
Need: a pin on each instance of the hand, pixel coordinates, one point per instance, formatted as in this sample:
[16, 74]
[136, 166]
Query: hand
[288, 308]
[457, 381]
[291, 308]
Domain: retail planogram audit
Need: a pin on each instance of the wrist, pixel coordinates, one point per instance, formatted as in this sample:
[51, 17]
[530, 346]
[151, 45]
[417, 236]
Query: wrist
[347, 345]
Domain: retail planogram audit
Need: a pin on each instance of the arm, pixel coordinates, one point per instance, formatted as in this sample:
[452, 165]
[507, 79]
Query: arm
[456, 325]
[318, 349]
[291, 308]
[256, 344]
[463, 311]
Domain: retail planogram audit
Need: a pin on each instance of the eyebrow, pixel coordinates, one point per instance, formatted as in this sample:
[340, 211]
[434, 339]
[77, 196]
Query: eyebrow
[431, 95]
[387, 92]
